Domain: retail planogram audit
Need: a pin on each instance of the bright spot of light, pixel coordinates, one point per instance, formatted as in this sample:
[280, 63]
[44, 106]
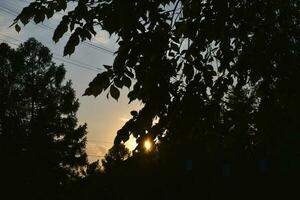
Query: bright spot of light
[147, 145]
[131, 143]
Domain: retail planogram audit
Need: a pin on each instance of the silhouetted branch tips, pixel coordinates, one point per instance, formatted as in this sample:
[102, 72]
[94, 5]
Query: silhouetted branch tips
[217, 81]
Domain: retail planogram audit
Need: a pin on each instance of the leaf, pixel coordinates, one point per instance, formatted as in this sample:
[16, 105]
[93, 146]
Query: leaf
[188, 71]
[69, 49]
[39, 17]
[174, 46]
[107, 67]
[118, 82]
[121, 136]
[134, 113]
[129, 73]
[181, 28]
[63, 4]
[127, 81]
[114, 92]
[71, 44]
[49, 13]
[61, 29]
[18, 28]
[132, 95]
[98, 85]
[171, 54]
[26, 14]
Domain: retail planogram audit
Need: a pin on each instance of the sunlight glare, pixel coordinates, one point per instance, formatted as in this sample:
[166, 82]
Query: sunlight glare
[147, 145]
[131, 143]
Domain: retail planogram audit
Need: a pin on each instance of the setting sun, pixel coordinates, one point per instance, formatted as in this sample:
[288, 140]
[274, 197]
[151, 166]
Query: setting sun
[147, 145]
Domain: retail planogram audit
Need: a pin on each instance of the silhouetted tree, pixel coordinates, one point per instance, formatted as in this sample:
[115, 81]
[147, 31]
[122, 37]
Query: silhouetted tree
[115, 157]
[184, 56]
[240, 137]
[41, 146]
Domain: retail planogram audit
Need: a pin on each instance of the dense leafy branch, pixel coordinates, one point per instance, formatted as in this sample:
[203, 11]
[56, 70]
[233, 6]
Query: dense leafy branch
[182, 65]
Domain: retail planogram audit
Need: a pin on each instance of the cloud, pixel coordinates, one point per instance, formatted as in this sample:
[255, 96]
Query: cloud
[123, 119]
[102, 37]
[95, 151]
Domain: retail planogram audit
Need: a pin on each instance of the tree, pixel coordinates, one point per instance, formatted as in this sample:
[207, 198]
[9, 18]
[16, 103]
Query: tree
[41, 145]
[182, 56]
[239, 110]
[114, 158]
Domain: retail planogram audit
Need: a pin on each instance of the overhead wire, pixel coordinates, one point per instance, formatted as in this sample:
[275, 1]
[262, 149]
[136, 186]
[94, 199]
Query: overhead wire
[56, 55]
[101, 141]
[57, 58]
[44, 26]
[9, 42]
[68, 59]
[60, 58]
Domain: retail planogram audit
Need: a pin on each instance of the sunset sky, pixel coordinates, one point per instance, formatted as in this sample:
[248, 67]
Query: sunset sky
[103, 116]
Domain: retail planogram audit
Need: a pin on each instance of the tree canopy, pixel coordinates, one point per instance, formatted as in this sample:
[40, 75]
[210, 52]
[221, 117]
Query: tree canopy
[115, 156]
[183, 58]
[42, 148]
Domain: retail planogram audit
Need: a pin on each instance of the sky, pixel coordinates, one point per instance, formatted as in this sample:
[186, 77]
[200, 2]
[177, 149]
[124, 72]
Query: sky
[103, 116]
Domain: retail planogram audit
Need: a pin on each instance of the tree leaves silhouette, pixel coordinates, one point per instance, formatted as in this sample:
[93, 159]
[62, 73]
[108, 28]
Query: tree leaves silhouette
[115, 157]
[183, 56]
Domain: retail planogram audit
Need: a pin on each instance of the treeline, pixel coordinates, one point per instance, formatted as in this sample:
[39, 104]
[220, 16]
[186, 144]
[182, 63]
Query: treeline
[43, 148]
[234, 163]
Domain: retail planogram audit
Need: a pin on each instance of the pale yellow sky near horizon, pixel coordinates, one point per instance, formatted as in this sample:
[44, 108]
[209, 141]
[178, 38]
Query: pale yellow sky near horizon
[103, 116]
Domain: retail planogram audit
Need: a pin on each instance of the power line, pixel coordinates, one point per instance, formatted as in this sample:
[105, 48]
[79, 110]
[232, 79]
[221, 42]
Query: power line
[60, 58]
[11, 11]
[79, 62]
[57, 58]
[7, 11]
[9, 42]
[15, 13]
[71, 61]
[67, 59]
[24, 1]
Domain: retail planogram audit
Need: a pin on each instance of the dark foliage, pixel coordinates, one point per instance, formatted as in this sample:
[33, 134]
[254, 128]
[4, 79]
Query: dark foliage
[42, 149]
[221, 77]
